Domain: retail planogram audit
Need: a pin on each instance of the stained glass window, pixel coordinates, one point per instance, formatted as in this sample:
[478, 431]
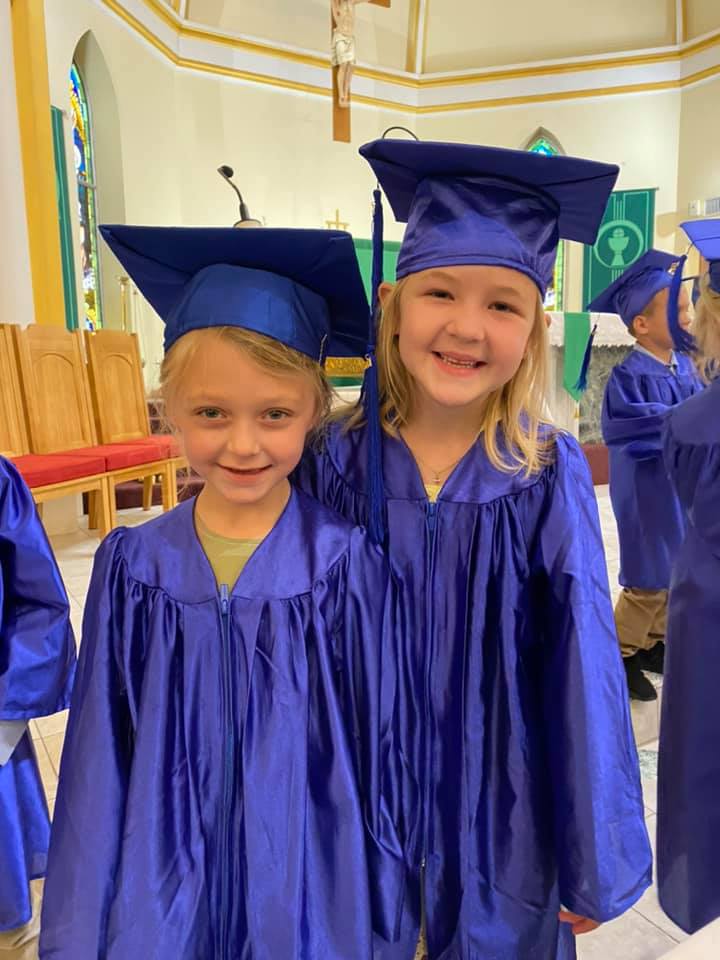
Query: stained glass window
[554, 294]
[87, 205]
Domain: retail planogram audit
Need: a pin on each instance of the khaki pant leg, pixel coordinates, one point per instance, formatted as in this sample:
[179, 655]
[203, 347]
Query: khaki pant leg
[22, 944]
[637, 612]
[658, 628]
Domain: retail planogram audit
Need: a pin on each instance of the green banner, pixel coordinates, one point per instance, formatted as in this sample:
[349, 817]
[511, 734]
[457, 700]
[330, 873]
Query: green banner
[363, 249]
[66, 234]
[626, 232]
[577, 333]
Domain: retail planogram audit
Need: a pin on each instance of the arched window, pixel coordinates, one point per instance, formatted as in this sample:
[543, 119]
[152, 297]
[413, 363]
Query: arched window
[543, 142]
[87, 203]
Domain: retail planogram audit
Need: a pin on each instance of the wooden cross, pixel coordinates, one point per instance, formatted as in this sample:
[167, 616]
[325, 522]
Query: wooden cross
[337, 223]
[341, 115]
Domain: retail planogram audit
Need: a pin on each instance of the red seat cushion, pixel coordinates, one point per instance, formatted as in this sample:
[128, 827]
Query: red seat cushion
[42, 469]
[118, 456]
[169, 444]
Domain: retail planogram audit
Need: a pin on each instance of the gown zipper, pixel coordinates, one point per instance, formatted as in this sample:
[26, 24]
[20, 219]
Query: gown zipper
[431, 522]
[222, 949]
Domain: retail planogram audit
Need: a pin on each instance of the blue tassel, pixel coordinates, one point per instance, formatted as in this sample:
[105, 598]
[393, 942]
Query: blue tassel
[371, 392]
[695, 291]
[581, 384]
[682, 340]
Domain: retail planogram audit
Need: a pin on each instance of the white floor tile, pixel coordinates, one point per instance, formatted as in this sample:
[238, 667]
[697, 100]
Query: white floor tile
[630, 937]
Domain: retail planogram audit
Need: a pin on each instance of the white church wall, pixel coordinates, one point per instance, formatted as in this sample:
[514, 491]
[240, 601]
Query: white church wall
[699, 173]
[381, 32]
[16, 297]
[471, 34]
[639, 133]
[701, 17]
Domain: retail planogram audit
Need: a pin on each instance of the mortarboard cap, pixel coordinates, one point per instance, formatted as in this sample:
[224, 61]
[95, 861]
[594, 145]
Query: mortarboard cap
[466, 204]
[705, 235]
[634, 289]
[301, 287]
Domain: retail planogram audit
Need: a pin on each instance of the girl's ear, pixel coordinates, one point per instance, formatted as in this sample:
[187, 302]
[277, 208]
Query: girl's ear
[548, 320]
[384, 291]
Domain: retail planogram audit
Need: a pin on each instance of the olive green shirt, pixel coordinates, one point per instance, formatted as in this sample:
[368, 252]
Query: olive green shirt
[227, 555]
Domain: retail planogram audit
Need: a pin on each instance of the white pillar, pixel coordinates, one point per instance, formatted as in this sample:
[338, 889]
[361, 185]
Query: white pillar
[16, 297]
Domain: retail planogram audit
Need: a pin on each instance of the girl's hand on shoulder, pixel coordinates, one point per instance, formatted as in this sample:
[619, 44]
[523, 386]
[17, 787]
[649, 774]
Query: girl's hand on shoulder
[579, 924]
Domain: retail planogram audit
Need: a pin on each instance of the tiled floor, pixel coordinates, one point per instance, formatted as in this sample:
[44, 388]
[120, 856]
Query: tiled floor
[644, 933]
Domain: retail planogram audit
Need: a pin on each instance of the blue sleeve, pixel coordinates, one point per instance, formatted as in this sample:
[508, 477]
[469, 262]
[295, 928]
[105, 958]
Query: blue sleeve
[601, 841]
[37, 648]
[370, 656]
[629, 420]
[90, 804]
[694, 470]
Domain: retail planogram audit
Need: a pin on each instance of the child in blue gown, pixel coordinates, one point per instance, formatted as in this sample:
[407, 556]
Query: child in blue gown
[518, 791]
[640, 393]
[37, 665]
[688, 823]
[221, 788]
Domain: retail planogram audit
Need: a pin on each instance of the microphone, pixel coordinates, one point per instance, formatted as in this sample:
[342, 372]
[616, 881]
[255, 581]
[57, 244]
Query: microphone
[245, 220]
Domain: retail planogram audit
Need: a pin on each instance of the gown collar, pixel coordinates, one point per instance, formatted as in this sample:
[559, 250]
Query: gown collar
[473, 480]
[306, 541]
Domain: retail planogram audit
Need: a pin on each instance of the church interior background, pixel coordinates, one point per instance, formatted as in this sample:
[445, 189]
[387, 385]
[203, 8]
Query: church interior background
[122, 111]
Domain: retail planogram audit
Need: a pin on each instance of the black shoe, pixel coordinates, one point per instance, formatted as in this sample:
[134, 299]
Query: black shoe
[654, 659]
[639, 686]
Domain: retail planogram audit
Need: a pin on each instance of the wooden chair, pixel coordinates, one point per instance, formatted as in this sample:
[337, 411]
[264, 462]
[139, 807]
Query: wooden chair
[49, 476]
[119, 402]
[56, 400]
[13, 435]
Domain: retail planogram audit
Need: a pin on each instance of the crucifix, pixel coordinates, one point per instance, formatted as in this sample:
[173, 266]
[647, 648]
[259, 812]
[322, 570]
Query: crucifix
[342, 23]
[337, 223]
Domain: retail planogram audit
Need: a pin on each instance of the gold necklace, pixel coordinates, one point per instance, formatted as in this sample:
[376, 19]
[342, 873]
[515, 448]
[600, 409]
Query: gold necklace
[437, 474]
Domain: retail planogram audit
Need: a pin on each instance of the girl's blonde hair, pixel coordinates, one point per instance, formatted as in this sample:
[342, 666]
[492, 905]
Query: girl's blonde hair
[273, 356]
[706, 328]
[514, 414]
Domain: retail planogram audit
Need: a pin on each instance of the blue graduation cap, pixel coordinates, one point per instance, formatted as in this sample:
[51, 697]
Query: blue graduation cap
[466, 204]
[705, 235]
[634, 289]
[301, 287]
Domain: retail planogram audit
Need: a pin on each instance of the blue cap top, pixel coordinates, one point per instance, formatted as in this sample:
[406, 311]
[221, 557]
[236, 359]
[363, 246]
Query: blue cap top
[301, 287]
[634, 289]
[705, 235]
[467, 204]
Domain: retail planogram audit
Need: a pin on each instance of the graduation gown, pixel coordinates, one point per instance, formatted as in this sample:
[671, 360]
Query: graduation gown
[209, 803]
[515, 782]
[688, 825]
[37, 660]
[640, 393]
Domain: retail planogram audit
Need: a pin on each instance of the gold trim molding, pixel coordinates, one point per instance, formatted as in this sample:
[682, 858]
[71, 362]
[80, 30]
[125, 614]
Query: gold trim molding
[186, 30]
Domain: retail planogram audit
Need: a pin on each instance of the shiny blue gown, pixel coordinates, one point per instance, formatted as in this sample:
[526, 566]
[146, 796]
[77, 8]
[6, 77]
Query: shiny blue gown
[688, 825]
[221, 789]
[639, 395]
[515, 781]
[37, 662]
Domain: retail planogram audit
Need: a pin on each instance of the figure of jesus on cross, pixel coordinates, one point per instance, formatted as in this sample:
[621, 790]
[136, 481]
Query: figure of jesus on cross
[343, 46]
[342, 21]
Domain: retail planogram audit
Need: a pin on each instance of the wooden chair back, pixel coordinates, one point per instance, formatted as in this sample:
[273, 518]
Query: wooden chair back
[55, 394]
[116, 386]
[13, 433]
